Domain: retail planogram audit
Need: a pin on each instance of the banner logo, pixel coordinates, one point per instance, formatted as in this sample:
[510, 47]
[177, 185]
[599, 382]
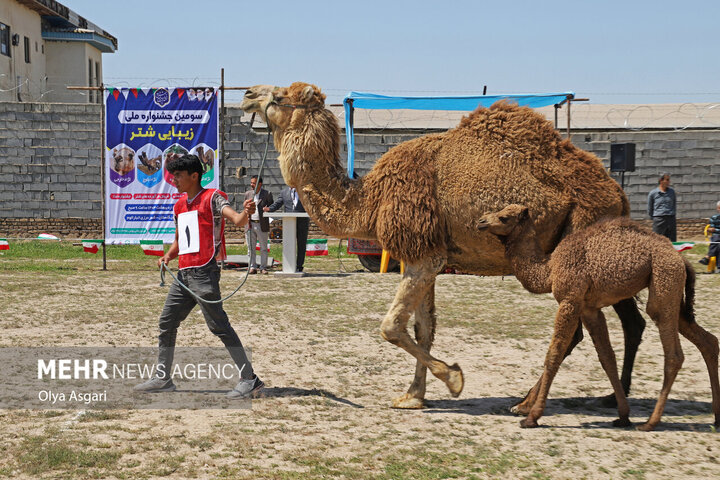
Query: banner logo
[161, 97]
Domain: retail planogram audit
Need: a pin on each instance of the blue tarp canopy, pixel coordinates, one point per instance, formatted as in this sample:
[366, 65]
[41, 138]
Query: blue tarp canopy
[457, 103]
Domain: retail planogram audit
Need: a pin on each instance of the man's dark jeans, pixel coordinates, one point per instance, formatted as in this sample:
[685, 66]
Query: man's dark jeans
[205, 283]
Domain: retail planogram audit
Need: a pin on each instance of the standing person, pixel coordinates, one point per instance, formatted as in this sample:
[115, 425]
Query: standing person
[291, 203]
[662, 208]
[199, 242]
[258, 228]
[714, 228]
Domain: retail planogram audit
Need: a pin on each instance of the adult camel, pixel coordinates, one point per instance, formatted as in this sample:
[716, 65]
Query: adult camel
[423, 198]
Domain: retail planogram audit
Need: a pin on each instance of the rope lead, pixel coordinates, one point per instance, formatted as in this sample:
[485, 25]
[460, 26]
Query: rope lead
[164, 267]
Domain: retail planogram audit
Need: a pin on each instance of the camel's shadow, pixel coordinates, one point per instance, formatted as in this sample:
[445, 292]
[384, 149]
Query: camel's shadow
[325, 275]
[279, 392]
[639, 408]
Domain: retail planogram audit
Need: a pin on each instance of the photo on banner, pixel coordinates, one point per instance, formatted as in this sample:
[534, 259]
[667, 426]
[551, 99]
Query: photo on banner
[144, 130]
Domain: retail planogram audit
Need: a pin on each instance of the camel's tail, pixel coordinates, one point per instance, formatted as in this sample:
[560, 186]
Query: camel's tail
[687, 308]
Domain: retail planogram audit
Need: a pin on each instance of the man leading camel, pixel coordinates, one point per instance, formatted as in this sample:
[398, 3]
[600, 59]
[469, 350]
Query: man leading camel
[200, 216]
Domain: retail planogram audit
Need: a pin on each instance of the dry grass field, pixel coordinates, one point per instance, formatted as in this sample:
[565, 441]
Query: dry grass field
[330, 378]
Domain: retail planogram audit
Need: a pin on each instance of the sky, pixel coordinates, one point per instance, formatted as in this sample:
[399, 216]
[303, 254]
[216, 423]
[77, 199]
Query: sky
[612, 52]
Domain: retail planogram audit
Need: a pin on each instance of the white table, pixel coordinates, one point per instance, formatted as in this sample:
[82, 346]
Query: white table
[289, 243]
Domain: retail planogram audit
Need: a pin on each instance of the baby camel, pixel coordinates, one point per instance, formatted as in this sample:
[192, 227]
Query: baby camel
[597, 267]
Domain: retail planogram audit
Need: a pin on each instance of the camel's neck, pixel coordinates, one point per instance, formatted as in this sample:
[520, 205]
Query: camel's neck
[529, 263]
[310, 161]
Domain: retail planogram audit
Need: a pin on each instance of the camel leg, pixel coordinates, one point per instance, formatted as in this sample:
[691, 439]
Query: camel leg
[633, 325]
[523, 408]
[707, 343]
[594, 321]
[424, 335]
[668, 325]
[417, 280]
[568, 316]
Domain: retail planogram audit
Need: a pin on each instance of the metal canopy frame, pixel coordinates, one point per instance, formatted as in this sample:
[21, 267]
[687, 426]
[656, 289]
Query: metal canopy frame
[450, 103]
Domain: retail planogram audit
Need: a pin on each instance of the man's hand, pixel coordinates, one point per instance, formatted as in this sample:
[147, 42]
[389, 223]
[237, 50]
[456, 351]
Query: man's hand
[249, 206]
[164, 259]
[266, 209]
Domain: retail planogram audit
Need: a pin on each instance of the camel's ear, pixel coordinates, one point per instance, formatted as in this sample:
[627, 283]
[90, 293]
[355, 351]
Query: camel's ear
[524, 214]
[308, 93]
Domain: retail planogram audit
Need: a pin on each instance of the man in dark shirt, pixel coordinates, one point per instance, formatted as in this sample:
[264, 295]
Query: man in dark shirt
[290, 201]
[662, 208]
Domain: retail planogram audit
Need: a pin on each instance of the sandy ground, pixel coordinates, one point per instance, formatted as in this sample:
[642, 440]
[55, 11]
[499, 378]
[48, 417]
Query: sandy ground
[330, 380]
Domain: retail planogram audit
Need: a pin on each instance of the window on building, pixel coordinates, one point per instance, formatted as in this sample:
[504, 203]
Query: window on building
[4, 39]
[98, 95]
[91, 96]
[27, 50]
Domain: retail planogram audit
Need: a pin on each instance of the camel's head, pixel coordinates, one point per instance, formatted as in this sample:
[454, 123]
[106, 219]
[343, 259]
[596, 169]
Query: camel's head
[502, 223]
[276, 105]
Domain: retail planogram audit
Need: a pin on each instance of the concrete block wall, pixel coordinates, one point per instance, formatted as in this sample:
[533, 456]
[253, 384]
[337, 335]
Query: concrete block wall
[691, 157]
[50, 162]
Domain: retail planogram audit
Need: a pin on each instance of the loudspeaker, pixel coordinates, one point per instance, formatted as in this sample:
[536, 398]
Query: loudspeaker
[622, 157]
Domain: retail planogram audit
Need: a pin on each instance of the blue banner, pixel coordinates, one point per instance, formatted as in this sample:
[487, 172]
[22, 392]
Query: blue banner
[144, 129]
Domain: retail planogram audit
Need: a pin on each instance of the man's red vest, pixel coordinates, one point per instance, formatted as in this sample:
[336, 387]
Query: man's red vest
[206, 252]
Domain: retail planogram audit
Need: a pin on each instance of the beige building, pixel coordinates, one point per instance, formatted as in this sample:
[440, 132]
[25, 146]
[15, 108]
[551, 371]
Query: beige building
[45, 47]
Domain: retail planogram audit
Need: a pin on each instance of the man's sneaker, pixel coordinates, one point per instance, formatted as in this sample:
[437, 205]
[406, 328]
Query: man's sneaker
[155, 385]
[253, 271]
[704, 261]
[246, 388]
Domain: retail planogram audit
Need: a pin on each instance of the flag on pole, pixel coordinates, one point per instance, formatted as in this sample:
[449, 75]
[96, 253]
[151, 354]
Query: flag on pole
[4, 245]
[153, 247]
[91, 246]
[682, 246]
[316, 247]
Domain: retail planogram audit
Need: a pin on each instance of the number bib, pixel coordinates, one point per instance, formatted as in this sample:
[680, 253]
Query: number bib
[196, 234]
[188, 232]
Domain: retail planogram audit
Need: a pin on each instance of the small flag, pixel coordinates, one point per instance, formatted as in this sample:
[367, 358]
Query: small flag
[257, 246]
[682, 246]
[316, 247]
[47, 236]
[153, 247]
[91, 246]
[4, 245]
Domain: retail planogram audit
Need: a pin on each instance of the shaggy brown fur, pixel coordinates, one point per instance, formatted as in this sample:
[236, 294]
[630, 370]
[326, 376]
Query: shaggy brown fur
[422, 198]
[594, 268]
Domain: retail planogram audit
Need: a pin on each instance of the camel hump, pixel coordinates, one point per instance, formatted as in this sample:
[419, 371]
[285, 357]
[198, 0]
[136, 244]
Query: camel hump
[507, 123]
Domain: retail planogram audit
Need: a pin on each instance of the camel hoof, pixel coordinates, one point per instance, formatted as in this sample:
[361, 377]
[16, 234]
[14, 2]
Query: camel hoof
[528, 423]
[622, 422]
[455, 381]
[408, 402]
[646, 427]
[520, 409]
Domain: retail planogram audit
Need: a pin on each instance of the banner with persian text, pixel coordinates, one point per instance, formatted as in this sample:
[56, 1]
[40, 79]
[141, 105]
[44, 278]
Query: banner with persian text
[144, 129]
